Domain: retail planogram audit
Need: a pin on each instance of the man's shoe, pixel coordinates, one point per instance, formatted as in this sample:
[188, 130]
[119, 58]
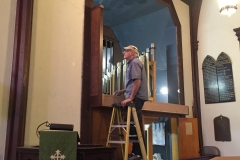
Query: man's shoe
[132, 156]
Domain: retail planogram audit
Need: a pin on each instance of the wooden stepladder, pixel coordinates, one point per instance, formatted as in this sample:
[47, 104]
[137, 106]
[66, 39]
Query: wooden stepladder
[124, 128]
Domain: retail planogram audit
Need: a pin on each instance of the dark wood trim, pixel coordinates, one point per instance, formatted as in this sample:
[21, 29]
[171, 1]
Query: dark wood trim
[195, 6]
[237, 30]
[89, 3]
[92, 73]
[170, 5]
[19, 78]
[85, 127]
[96, 56]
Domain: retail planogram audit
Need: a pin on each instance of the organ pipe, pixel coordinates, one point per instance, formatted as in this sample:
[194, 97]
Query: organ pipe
[114, 77]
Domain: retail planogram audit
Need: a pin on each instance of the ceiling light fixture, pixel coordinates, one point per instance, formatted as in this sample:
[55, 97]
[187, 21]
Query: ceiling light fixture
[227, 7]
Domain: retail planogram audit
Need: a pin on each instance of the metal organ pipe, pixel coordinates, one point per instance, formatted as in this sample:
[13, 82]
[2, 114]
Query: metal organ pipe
[119, 75]
[153, 52]
[147, 71]
[142, 58]
[114, 77]
[105, 83]
[108, 81]
[113, 80]
[124, 73]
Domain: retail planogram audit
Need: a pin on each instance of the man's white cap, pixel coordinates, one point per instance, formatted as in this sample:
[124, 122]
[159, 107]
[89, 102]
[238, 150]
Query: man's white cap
[132, 47]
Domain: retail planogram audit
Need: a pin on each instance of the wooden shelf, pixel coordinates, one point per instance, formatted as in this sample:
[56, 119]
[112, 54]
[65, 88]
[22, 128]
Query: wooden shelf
[157, 109]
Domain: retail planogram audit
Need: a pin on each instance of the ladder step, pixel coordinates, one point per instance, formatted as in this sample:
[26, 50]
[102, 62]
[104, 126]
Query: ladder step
[118, 142]
[124, 128]
[126, 122]
[119, 126]
[122, 142]
[116, 135]
[121, 135]
[134, 141]
[132, 136]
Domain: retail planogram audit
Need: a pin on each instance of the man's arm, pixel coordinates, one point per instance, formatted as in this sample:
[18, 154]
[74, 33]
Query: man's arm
[119, 92]
[135, 88]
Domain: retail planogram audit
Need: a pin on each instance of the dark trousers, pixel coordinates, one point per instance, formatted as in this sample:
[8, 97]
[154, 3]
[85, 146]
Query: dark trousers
[138, 105]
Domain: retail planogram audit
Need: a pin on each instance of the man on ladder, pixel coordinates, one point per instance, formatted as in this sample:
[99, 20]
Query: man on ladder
[136, 91]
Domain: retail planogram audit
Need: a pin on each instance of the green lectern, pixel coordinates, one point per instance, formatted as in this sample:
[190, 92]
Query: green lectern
[58, 145]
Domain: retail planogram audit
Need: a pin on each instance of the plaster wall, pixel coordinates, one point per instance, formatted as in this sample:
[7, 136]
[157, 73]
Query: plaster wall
[7, 26]
[55, 81]
[216, 35]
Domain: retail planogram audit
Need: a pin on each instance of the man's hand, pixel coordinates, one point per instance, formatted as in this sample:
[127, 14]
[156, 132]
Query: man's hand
[126, 101]
[119, 92]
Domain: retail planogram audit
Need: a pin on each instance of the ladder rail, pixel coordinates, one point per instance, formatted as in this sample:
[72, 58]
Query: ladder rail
[111, 123]
[120, 131]
[139, 133]
[131, 110]
[127, 133]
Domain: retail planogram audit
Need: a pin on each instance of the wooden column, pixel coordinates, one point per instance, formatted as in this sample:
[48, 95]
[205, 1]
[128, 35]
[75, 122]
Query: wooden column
[96, 56]
[19, 78]
[85, 127]
[237, 30]
[92, 72]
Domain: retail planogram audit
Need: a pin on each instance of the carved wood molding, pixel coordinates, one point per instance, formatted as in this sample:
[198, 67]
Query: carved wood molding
[19, 78]
[237, 30]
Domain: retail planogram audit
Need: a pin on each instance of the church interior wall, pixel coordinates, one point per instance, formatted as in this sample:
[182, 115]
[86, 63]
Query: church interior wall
[56, 63]
[216, 35]
[54, 92]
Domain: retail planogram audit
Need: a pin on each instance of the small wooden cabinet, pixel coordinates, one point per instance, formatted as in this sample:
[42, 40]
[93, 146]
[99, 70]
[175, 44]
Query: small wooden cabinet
[84, 152]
